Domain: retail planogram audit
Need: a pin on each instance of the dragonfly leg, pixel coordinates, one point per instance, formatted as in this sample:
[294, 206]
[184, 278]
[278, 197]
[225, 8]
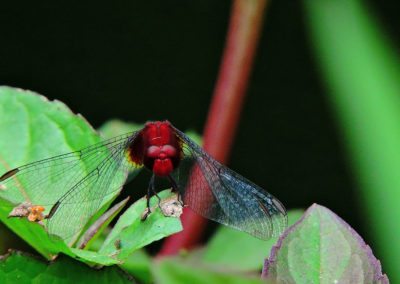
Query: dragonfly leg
[175, 188]
[155, 193]
[150, 190]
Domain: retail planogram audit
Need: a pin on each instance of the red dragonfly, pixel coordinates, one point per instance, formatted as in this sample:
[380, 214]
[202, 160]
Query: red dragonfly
[85, 178]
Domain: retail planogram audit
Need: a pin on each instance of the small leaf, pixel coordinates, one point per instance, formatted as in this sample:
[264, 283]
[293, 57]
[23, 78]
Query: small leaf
[239, 250]
[322, 248]
[17, 267]
[131, 233]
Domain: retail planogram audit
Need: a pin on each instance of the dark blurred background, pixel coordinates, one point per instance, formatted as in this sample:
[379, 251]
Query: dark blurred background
[147, 60]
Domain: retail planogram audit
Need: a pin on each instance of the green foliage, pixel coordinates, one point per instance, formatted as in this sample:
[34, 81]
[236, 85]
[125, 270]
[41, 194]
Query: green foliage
[176, 270]
[17, 267]
[36, 129]
[226, 248]
[138, 264]
[322, 248]
[362, 70]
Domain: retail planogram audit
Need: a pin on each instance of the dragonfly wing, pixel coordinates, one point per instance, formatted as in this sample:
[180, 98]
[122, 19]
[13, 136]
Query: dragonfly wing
[80, 182]
[84, 199]
[220, 194]
[255, 210]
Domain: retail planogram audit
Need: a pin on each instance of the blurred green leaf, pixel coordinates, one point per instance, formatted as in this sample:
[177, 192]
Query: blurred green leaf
[240, 251]
[178, 270]
[322, 248]
[20, 268]
[138, 264]
[194, 136]
[362, 70]
[115, 127]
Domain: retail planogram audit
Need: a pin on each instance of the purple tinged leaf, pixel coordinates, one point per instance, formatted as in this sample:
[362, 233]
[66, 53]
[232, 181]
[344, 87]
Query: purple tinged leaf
[322, 248]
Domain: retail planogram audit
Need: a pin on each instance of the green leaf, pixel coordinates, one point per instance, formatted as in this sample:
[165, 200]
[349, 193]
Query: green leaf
[240, 251]
[361, 67]
[35, 129]
[179, 270]
[322, 248]
[21, 268]
[130, 233]
[33, 233]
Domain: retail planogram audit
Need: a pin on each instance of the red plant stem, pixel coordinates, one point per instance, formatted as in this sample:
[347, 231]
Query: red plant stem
[243, 34]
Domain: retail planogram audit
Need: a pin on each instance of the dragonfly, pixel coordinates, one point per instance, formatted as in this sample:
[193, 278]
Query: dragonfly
[88, 176]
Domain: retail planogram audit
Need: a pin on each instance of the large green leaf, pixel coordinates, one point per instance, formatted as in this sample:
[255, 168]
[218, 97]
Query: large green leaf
[362, 70]
[238, 250]
[322, 248]
[33, 128]
[21, 268]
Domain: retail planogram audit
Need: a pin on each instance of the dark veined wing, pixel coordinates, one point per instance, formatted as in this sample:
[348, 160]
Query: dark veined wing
[220, 194]
[79, 182]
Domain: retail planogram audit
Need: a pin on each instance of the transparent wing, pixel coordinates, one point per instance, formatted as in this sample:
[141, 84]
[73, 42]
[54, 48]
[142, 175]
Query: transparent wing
[220, 194]
[80, 182]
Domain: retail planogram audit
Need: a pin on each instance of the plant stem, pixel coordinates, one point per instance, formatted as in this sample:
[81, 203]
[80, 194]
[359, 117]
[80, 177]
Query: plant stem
[243, 34]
